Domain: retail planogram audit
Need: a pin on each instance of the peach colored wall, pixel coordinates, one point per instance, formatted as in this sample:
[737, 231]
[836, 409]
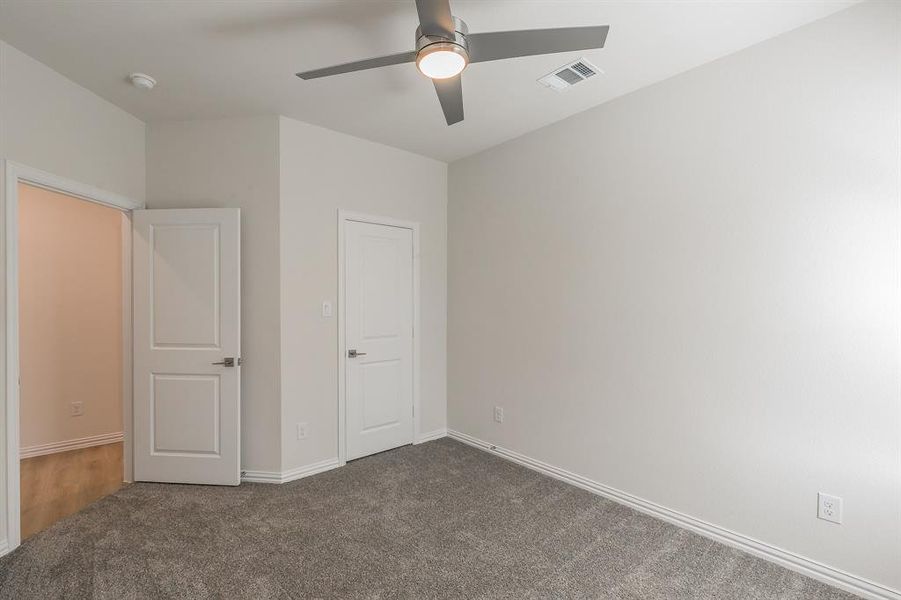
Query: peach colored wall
[70, 317]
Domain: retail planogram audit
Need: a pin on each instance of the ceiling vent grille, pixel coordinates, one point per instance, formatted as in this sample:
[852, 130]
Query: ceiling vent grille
[569, 75]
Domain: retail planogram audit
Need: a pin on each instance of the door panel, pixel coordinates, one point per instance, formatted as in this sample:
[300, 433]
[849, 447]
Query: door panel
[185, 285]
[382, 394]
[379, 326]
[184, 415]
[187, 318]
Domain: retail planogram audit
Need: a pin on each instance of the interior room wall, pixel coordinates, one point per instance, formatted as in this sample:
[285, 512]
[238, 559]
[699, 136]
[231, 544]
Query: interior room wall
[323, 171]
[691, 293]
[233, 163]
[50, 123]
[70, 324]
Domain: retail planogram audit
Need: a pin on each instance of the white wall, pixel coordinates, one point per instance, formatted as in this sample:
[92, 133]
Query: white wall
[691, 293]
[70, 323]
[233, 163]
[50, 123]
[323, 171]
[290, 178]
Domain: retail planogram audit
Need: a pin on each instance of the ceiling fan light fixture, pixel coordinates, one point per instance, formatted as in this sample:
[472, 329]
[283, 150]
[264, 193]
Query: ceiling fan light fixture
[444, 47]
[442, 60]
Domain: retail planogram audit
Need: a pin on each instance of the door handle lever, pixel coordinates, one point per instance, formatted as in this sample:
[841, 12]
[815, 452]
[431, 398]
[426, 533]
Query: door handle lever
[354, 354]
[229, 361]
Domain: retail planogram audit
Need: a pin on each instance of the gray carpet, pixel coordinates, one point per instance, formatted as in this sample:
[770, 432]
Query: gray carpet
[439, 520]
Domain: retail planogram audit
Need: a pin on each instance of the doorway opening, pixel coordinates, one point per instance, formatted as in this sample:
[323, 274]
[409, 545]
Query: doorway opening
[72, 292]
[59, 336]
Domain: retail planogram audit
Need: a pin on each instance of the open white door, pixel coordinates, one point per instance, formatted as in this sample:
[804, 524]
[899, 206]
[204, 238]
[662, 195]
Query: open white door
[187, 329]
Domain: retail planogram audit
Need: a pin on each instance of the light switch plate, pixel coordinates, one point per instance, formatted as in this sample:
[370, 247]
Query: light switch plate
[326, 308]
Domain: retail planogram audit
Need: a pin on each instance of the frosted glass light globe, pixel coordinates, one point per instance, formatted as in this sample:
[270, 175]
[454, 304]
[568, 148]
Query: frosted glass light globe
[441, 61]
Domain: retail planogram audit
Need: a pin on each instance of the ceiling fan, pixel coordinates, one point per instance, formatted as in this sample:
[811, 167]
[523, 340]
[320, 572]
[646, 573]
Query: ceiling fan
[444, 47]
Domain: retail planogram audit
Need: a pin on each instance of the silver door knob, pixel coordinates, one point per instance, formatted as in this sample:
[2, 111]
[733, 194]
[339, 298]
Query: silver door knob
[354, 354]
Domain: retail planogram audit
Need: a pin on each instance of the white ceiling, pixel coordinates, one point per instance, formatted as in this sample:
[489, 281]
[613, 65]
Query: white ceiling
[238, 57]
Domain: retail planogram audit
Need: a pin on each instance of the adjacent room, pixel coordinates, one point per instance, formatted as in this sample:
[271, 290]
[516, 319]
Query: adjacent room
[496, 299]
[71, 347]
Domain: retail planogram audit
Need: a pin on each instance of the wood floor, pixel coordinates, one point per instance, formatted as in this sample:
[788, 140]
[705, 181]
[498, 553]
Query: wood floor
[58, 485]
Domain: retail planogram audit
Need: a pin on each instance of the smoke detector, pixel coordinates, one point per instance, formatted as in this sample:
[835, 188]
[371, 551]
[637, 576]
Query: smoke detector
[142, 81]
[569, 75]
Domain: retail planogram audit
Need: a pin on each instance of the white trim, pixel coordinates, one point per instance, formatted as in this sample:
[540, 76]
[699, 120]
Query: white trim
[805, 566]
[15, 173]
[261, 477]
[343, 217]
[127, 352]
[54, 183]
[67, 445]
[431, 435]
[291, 474]
[11, 249]
[4, 548]
[342, 344]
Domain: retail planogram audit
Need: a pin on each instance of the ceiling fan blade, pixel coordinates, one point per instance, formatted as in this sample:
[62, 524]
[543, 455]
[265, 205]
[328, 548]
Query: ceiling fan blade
[529, 42]
[435, 17]
[361, 65]
[450, 94]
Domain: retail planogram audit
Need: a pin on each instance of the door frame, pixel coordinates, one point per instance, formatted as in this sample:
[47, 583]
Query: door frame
[344, 217]
[14, 174]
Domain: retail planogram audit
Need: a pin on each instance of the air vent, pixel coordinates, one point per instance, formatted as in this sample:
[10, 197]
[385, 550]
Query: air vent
[569, 75]
[584, 70]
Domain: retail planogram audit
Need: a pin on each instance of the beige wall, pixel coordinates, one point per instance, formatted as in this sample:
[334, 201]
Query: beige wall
[289, 179]
[70, 317]
[233, 163]
[50, 123]
[691, 293]
[323, 171]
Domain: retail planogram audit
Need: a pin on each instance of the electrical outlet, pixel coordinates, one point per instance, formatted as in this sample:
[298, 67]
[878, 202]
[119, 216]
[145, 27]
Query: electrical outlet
[498, 414]
[76, 409]
[829, 508]
[301, 431]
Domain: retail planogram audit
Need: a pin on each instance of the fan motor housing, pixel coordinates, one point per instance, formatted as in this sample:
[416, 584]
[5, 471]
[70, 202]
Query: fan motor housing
[459, 39]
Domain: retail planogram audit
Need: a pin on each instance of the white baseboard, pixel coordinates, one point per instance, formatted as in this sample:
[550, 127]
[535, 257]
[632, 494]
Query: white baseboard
[431, 435]
[66, 446]
[4, 547]
[325, 465]
[261, 476]
[307, 470]
[811, 568]
[291, 474]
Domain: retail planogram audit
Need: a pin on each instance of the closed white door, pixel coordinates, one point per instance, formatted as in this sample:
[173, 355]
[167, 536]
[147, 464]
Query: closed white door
[378, 297]
[187, 343]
